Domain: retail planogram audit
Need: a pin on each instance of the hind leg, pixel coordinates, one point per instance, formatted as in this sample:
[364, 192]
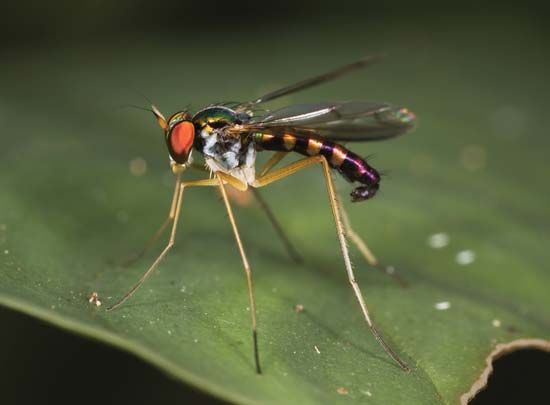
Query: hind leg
[365, 250]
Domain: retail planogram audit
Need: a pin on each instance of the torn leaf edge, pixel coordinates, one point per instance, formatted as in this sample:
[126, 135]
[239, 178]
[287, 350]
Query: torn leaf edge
[500, 350]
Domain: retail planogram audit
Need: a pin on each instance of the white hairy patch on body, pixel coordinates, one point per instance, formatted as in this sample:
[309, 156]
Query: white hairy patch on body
[228, 161]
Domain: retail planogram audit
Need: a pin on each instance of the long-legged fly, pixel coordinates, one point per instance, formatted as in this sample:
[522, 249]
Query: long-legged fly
[230, 135]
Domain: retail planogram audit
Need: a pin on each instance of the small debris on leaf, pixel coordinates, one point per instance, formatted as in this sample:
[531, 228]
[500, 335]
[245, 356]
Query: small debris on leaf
[342, 391]
[317, 349]
[298, 308]
[465, 257]
[94, 299]
[442, 306]
[438, 240]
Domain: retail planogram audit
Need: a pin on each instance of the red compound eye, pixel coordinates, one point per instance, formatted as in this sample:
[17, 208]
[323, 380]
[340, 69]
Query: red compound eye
[180, 141]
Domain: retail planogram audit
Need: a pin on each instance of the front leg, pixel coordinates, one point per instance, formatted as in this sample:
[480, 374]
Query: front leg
[171, 240]
[134, 258]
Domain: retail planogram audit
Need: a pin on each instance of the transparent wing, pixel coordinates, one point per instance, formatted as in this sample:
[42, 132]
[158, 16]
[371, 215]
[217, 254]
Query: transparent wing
[313, 81]
[339, 121]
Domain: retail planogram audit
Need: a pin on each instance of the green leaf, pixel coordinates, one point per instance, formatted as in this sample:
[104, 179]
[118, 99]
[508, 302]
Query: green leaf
[473, 170]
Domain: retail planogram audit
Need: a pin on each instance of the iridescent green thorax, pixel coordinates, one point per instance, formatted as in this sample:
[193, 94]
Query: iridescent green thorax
[223, 150]
[217, 117]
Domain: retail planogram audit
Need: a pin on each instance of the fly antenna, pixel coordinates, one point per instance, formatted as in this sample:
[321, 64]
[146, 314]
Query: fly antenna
[149, 101]
[153, 108]
[137, 107]
[156, 111]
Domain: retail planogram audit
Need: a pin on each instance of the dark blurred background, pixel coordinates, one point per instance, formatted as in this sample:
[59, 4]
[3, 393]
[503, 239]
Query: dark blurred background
[40, 364]
[26, 25]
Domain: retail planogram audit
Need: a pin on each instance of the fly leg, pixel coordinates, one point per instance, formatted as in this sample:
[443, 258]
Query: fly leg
[272, 162]
[221, 177]
[291, 250]
[181, 187]
[302, 164]
[135, 257]
[365, 251]
[275, 158]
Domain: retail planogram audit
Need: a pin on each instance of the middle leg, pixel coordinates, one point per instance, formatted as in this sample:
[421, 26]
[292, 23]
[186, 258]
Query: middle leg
[292, 252]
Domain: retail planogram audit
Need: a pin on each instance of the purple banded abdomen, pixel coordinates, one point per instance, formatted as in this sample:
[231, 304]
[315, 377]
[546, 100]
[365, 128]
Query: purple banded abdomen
[350, 165]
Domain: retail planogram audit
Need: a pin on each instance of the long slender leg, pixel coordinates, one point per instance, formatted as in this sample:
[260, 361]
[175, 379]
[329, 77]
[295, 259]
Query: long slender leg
[239, 185]
[301, 164]
[182, 185]
[285, 171]
[345, 253]
[247, 270]
[265, 207]
[132, 259]
[292, 252]
[365, 251]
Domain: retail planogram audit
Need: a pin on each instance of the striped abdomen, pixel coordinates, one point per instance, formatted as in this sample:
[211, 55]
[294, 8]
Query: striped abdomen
[353, 167]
